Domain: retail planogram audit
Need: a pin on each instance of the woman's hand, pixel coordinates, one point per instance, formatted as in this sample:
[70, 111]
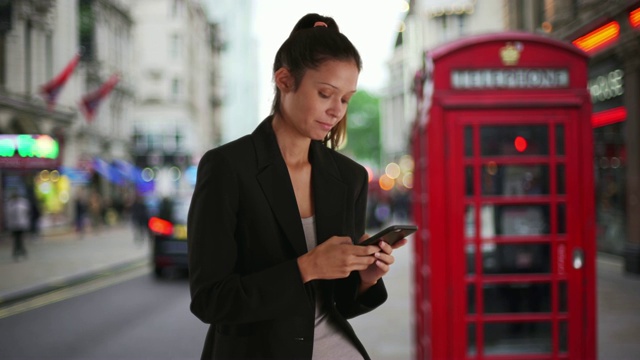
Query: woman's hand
[336, 258]
[381, 266]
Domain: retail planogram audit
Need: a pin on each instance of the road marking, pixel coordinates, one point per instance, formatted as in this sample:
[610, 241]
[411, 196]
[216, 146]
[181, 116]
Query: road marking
[72, 291]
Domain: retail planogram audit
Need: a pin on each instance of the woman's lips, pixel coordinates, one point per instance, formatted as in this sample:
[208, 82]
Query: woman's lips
[325, 126]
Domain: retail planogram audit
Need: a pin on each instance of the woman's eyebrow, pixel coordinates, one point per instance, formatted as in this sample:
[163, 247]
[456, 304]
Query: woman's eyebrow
[333, 86]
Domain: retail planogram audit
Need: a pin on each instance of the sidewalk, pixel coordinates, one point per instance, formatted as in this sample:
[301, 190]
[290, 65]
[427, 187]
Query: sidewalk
[387, 333]
[56, 259]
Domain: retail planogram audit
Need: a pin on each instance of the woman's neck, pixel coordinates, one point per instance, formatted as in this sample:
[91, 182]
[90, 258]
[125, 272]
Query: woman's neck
[293, 146]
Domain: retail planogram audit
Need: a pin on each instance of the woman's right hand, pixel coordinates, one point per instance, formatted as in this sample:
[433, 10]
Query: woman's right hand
[335, 258]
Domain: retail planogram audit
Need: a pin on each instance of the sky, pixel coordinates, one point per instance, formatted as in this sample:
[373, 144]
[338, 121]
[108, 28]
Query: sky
[371, 25]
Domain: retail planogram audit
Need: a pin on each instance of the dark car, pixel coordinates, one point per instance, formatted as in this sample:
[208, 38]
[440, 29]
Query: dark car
[168, 227]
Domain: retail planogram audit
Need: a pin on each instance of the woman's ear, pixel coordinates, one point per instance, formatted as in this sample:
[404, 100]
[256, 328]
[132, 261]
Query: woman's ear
[283, 80]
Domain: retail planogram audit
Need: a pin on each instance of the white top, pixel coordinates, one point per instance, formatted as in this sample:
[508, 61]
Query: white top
[17, 214]
[329, 342]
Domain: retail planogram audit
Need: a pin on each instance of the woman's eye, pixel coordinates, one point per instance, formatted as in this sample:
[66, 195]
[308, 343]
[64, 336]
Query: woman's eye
[324, 96]
[345, 101]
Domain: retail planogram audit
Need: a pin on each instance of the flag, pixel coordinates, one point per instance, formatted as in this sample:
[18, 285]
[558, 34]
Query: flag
[90, 102]
[50, 90]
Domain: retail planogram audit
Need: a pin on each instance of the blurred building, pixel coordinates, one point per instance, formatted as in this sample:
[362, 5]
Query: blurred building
[38, 40]
[428, 23]
[101, 135]
[610, 32]
[238, 62]
[177, 115]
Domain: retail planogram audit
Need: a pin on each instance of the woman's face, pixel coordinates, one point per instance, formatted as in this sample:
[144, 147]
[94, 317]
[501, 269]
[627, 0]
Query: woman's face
[321, 99]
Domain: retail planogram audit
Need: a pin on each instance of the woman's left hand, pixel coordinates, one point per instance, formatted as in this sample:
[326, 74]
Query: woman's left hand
[381, 266]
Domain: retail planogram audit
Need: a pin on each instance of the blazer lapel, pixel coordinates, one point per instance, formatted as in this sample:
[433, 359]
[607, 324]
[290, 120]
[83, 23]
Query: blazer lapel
[329, 193]
[275, 182]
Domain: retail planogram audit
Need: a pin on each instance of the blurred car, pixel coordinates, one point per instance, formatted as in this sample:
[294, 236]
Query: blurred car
[168, 228]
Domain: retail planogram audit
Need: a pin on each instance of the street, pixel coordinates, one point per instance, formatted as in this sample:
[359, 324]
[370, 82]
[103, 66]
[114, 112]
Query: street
[140, 318]
[124, 313]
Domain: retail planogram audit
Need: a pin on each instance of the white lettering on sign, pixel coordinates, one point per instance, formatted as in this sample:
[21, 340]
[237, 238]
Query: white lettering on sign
[510, 79]
[607, 87]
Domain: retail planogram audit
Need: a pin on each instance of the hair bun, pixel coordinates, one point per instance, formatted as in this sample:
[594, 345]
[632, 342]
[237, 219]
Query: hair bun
[313, 20]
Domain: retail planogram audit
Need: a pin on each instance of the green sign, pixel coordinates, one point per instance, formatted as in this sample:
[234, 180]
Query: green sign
[29, 146]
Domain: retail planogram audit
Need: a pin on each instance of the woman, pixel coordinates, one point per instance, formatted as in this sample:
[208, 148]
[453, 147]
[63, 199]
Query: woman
[275, 214]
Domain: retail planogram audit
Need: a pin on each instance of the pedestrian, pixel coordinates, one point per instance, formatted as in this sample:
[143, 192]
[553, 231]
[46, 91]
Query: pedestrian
[80, 213]
[18, 221]
[275, 216]
[140, 219]
[34, 219]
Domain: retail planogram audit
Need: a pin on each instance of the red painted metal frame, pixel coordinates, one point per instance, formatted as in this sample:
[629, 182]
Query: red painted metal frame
[439, 197]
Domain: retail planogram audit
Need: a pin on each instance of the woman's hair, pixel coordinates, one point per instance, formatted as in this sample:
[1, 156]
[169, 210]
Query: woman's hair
[309, 45]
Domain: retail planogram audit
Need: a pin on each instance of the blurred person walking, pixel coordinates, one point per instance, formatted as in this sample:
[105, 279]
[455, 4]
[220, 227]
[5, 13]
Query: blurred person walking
[18, 221]
[274, 264]
[80, 215]
[139, 219]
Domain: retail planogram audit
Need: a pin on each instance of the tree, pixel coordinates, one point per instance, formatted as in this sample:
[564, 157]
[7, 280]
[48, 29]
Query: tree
[363, 128]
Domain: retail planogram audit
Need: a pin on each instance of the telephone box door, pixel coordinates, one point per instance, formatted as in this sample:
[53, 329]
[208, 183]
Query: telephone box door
[518, 262]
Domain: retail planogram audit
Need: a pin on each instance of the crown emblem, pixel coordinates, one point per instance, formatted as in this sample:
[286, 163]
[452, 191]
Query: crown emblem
[510, 54]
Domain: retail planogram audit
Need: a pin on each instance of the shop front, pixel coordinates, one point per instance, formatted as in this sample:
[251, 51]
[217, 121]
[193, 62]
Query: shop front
[28, 166]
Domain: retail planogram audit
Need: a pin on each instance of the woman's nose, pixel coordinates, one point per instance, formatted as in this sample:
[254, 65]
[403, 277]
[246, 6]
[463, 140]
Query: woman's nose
[337, 109]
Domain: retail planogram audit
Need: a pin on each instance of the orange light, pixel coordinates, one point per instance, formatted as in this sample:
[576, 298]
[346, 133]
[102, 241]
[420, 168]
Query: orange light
[160, 226]
[608, 117]
[386, 183]
[599, 37]
[520, 143]
[634, 18]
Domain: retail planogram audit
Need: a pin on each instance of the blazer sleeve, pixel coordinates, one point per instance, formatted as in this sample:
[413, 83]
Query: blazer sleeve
[219, 293]
[348, 302]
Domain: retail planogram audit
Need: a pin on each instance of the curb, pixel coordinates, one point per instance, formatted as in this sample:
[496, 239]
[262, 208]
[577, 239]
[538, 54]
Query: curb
[12, 297]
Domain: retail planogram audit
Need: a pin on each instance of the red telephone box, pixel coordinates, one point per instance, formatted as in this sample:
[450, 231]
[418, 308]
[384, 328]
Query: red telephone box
[503, 190]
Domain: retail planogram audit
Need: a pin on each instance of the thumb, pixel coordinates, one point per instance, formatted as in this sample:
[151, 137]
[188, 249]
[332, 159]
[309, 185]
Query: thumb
[364, 237]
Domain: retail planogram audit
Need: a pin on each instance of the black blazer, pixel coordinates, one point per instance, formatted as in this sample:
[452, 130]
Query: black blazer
[245, 235]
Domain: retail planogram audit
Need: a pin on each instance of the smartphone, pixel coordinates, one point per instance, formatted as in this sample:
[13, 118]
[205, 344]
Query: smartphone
[391, 235]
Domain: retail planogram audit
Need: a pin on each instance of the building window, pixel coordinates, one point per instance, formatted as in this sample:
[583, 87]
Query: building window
[176, 89]
[155, 142]
[27, 55]
[175, 46]
[176, 9]
[87, 28]
[49, 56]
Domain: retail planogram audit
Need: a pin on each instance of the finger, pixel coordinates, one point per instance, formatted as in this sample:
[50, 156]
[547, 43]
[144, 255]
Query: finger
[364, 237]
[385, 247]
[360, 250]
[400, 243]
[339, 240]
[386, 258]
[382, 266]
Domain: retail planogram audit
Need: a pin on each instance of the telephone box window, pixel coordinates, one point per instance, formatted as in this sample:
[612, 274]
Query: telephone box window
[507, 259]
[562, 294]
[560, 181]
[471, 340]
[468, 141]
[560, 139]
[517, 338]
[514, 298]
[564, 336]
[514, 140]
[522, 219]
[471, 298]
[562, 219]
[515, 180]
[468, 182]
